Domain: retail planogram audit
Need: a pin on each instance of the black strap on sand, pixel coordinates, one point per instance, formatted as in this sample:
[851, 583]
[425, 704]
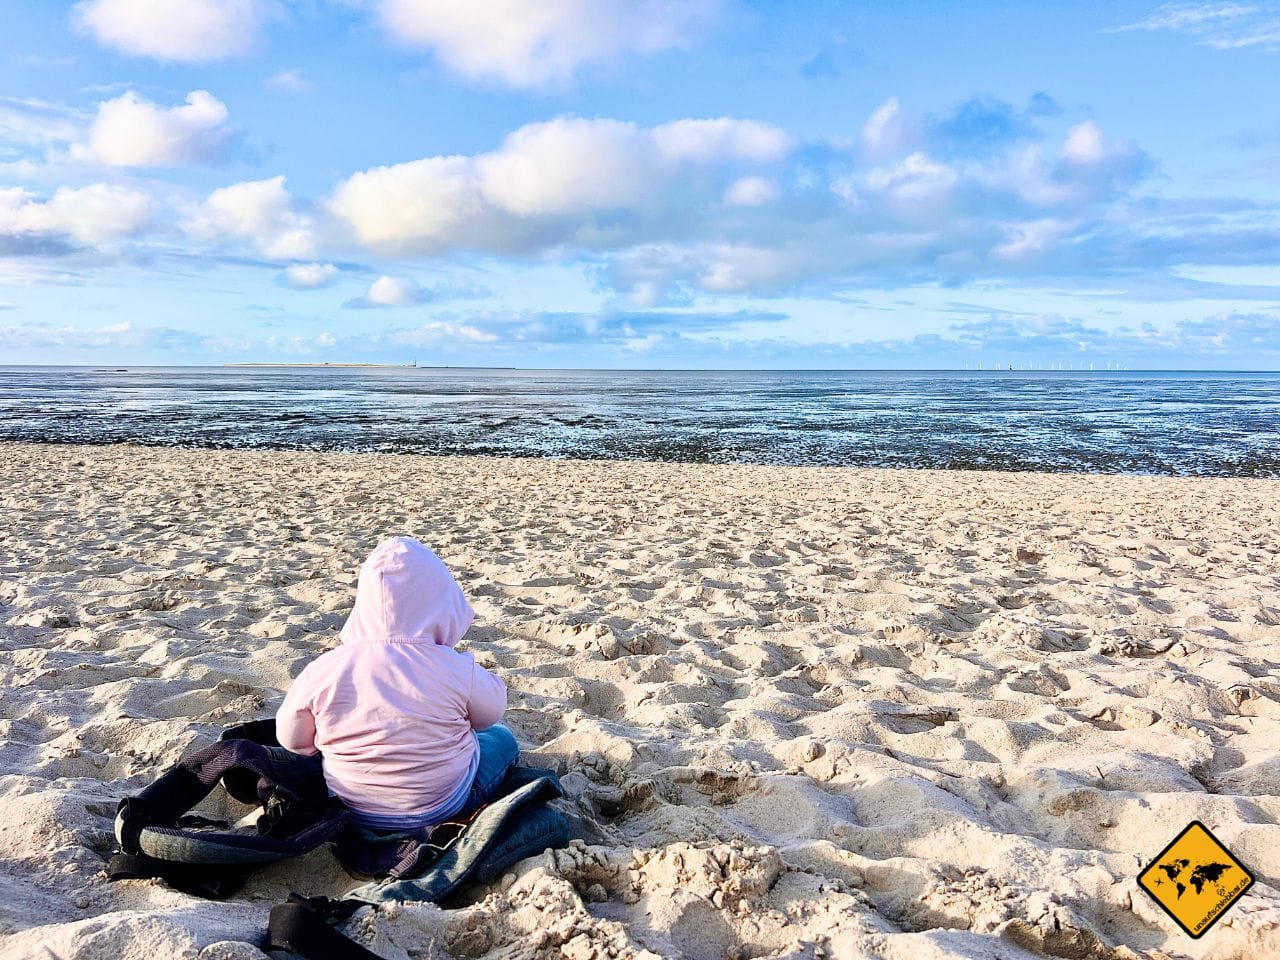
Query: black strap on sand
[214, 882]
[302, 927]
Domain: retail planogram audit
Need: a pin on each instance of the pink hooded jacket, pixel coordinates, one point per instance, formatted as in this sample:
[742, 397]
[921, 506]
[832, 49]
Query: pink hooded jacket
[394, 708]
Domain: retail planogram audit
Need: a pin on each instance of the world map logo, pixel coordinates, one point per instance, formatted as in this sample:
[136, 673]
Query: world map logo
[1195, 879]
[1201, 874]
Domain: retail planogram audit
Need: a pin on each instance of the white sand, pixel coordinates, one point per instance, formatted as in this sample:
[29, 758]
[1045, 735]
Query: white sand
[803, 713]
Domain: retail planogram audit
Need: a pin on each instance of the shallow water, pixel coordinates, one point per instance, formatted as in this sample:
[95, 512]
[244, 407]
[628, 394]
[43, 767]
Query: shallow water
[1221, 424]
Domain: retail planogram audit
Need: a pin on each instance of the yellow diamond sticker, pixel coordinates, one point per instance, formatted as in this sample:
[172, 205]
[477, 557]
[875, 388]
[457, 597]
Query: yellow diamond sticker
[1195, 879]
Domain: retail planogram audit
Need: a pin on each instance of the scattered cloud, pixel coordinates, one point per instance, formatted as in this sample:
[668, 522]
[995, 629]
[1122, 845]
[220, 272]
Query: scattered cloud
[187, 31]
[1031, 239]
[590, 183]
[661, 216]
[289, 81]
[26, 244]
[718, 206]
[505, 41]
[44, 336]
[94, 215]
[1224, 340]
[887, 130]
[1083, 144]
[558, 328]
[1022, 207]
[648, 277]
[751, 192]
[259, 211]
[131, 131]
[311, 276]
[389, 291]
[1255, 336]
[540, 44]
[914, 178]
[508, 333]
[739, 207]
[1221, 26]
[30, 122]
[1238, 339]
[436, 332]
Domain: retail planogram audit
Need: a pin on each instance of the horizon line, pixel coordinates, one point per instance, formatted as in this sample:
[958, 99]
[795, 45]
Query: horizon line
[114, 367]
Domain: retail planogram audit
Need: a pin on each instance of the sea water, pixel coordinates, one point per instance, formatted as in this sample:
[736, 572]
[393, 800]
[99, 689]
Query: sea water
[1188, 423]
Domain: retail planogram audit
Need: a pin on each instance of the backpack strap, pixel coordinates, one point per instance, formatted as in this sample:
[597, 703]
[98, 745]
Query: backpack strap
[211, 881]
[298, 814]
[303, 928]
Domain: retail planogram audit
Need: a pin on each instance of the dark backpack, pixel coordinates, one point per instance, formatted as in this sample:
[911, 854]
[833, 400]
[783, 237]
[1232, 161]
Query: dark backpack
[158, 837]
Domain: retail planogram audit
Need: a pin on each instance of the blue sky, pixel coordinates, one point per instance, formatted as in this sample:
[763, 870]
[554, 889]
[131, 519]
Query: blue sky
[641, 183]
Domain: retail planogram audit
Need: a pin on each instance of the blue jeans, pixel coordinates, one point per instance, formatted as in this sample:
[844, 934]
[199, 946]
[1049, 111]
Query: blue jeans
[498, 754]
[518, 825]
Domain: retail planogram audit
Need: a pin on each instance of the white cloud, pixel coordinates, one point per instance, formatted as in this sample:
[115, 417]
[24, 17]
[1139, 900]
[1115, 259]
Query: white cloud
[394, 292]
[131, 131]
[190, 31]
[729, 206]
[1017, 207]
[289, 81]
[643, 344]
[1084, 143]
[738, 269]
[566, 166]
[1174, 16]
[647, 275]
[659, 274]
[425, 205]
[436, 332]
[915, 178]
[706, 141]
[122, 334]
[535, 44]
[260, 211]
[100, 213]
[310, 276]
[886, 131]
[592, 182]
[846, 188]
[1027, 174]
[1032, 239]
[751, 192]
[665, 213]
[1222, 26]
[1088, 167]
[37, 122]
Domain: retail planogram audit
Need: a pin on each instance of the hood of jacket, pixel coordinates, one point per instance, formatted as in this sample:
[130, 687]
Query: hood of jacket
[407, 595]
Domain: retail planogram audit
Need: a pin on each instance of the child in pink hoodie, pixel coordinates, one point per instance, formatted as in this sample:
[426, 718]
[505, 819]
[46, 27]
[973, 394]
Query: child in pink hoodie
[407, 726]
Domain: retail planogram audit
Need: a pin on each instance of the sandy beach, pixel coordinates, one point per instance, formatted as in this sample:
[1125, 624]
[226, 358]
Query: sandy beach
[798, 712]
